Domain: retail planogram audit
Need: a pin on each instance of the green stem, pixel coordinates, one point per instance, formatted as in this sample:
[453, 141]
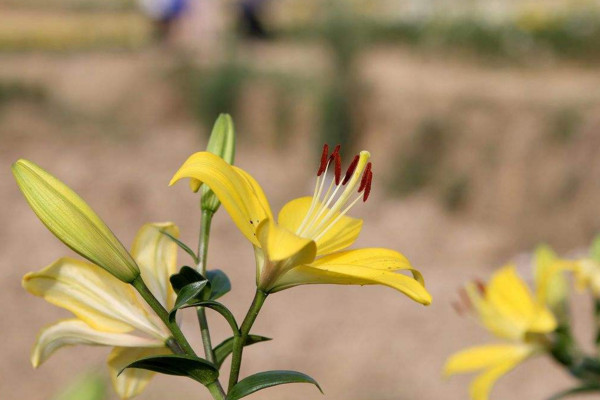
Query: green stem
[201, 267]
[239, 340]
[172, 344]
[147, 295]
[216, 390]
[203, 240]
[597, 320]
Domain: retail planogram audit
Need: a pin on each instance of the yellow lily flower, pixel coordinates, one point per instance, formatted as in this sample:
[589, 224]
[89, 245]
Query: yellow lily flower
[305, 245]
[587, 271]
[551, 285]
[107, 311]
[508, 309]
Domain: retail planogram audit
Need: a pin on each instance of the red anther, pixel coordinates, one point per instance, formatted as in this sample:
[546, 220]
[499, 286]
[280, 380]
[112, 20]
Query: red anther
[324, 158]
[363, 181]
[368, 186]
[338, 168]
[458, 307]
[351, 169]
[480, 285]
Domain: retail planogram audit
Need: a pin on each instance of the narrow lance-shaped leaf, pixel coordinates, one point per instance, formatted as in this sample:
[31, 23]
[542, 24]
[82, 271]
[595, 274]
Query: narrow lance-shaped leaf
[588, 388]
[218, 307]
[189, 293]
[267, 379]
[182, 245]
[224, 349]
[73, 221]
[179, 365]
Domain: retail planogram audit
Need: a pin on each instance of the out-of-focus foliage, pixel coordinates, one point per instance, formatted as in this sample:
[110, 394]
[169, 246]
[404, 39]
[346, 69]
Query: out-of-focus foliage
[209, 92]
[72, 31]
[86, 387]
[571, 31]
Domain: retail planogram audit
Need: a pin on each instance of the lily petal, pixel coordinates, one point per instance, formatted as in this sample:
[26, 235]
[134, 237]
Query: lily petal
[550, 282]
[156, 255]
[132, 381]
[74, 331]
[236, 191]
[92, 294]
[509, 295]
[484, 357]
[349, 269]
[482, 385]
[341, 235]
[280, 244]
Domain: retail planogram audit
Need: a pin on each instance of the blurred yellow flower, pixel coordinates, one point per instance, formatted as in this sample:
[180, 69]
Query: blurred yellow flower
[508, 309]
[305, 245]
[587, 270]
[108, 312]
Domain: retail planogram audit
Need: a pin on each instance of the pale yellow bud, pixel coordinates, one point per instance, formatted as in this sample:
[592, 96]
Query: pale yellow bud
[72, 221]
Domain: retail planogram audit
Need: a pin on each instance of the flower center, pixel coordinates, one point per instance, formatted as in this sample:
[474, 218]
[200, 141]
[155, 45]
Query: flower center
[328, 207]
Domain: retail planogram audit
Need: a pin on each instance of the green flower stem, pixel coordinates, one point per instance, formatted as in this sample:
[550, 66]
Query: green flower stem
[147, 295]
[207, 216]
[201, 267]
[216, 390]
[597, 320]
[172, 344]
[239, 340]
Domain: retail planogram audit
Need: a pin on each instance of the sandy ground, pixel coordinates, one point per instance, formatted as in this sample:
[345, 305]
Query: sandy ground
[360, 343]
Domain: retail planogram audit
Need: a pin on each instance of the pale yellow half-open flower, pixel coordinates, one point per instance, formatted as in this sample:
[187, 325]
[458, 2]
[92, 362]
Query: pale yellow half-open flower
[307, 242]
[108, 311]
[507, 308]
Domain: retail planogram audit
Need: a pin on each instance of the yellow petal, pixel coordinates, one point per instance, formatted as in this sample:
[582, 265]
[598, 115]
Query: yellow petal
[72, 221]
[482, 385]
[74, 331]
[551, 285]
[484, 357]
[93, 295]
[236, 192]
[280, 244]
[509, 295]
[156, 255]
[132, 381]
[329, 270]
[341, 235]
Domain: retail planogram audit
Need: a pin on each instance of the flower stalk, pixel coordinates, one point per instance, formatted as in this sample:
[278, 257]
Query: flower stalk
[153, 302]
[205, 224]
[238, 342]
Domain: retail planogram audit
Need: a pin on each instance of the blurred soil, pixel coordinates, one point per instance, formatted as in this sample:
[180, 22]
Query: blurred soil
[113, 127]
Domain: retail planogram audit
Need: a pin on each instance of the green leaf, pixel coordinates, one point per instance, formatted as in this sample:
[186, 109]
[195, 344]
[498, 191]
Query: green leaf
[182, 245]
[86, 387]
[266, 379]
[218, 307]
[587, 388]
[180, 365]
[224, 349]
[219, 283]
[189, 293]
[185, 276]
[595, 249]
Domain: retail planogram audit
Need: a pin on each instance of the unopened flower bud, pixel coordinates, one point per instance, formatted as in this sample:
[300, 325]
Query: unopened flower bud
[221, 143]
[72, 221]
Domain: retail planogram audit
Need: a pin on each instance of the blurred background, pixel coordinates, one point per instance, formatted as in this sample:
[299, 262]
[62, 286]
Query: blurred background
[482, 117]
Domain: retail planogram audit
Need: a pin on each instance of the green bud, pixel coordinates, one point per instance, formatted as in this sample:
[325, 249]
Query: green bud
[221, 143]
[72, 221]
